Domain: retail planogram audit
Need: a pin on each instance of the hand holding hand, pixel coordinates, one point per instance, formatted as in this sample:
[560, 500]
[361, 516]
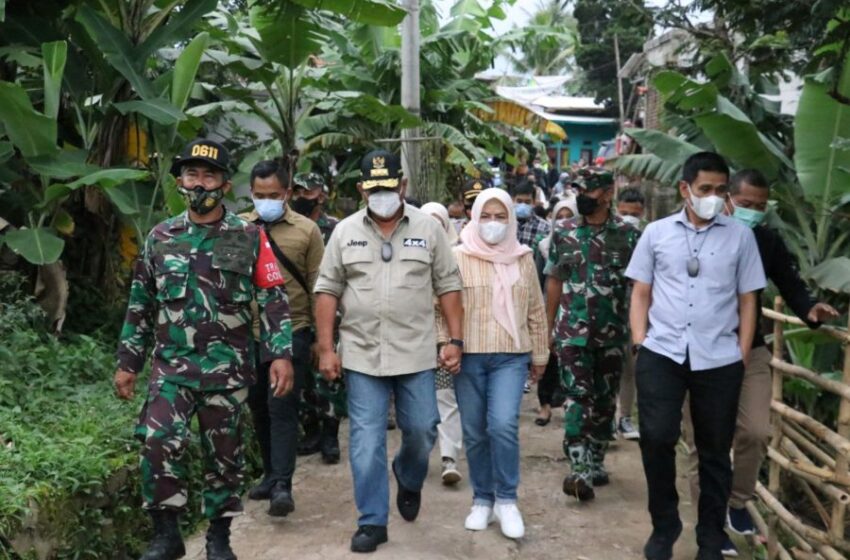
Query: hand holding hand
[281, 377]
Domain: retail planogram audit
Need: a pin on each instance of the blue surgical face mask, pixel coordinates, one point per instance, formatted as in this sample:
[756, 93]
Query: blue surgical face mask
[749, 217]
[523, 210]
[270, 210]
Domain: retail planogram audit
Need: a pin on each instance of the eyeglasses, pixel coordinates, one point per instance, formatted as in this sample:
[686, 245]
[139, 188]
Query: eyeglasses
[387, 251]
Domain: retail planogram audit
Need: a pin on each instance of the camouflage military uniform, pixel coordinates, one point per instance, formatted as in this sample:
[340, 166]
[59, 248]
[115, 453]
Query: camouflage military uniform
[326, 225]
[320, 398]
[590, 332]
[191, 292]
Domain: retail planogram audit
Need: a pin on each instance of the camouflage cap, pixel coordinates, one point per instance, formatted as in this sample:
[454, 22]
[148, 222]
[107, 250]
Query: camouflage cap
[592, 178]
[308, 181]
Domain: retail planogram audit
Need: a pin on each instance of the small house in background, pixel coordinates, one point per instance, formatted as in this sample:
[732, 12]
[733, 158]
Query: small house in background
[585, 122]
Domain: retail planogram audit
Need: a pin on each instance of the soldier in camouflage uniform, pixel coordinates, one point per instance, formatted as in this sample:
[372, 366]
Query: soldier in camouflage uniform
[586, 290]
[323, 402]
[190, 296]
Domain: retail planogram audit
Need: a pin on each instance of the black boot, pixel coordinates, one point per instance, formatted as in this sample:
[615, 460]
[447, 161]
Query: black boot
[311, 441]
[330, 441]
[167, 544]
[218, 540]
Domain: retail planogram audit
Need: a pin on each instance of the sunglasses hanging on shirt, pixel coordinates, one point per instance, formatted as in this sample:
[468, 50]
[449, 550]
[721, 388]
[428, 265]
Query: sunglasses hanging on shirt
[693, 262]
[387, 251]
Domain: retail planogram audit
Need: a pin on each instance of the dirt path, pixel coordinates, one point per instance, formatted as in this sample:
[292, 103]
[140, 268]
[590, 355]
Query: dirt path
[613, 527]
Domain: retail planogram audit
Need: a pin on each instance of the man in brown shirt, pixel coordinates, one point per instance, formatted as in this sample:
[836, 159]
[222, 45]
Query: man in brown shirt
[382, 268]
[297, 243]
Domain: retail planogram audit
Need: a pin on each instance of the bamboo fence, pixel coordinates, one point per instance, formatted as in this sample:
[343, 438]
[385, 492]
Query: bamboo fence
[814, 456]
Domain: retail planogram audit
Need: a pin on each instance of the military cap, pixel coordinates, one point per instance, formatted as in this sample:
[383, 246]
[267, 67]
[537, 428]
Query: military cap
[381, 168]
[203, 150]
[471, 190]
[309, 181]
[592, 178]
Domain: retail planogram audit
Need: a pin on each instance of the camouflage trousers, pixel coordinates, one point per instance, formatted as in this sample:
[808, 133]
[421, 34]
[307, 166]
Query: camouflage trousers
[321, 399]
[591, 380]
[164, 431]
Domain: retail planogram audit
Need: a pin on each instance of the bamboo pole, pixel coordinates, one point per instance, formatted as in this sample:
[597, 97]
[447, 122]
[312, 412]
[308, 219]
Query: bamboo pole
[836, 387]
[840, 443]
[795, 468]
[810, 494]
[805, 531]
[801, 462]
[797, 437]
[761, 525]
[841, 462]
[840, 334]
[773, 545]
[830, 553]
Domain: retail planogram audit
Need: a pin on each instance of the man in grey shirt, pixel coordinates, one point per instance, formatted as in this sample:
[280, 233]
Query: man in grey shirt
[693, 317]
[382, 268]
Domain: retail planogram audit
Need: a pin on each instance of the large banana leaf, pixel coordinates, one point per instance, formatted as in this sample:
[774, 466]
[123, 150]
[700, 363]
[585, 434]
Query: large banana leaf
[832, 274]
[54, 55]
[822, 138]
[647, 166]
[666, 147]
[117, 49]
[287, 33]
[186, 68]
[33, 133]
[179, 25]
[38, 246]
[370, 12]
[157, 109]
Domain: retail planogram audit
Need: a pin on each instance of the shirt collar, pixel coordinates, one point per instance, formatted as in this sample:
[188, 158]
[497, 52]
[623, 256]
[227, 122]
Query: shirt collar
[719, 220]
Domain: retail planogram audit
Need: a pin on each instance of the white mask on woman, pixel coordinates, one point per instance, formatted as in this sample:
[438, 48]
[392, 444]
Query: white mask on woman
[384, 204]
[493, 232]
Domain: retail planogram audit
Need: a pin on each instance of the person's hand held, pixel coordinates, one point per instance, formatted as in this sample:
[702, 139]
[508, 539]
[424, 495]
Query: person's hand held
[450, 356]
[822, 312]
[537, 373]
[330, 365]
[125, 384]
[281, 377]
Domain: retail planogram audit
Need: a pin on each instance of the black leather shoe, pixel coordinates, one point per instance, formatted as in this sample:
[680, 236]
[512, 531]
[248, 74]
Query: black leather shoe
[261, 491]
[311, 441]
[329, 445]
[660, 543]
[576, 486]
[218, 540]
[167, 544]
[706, 554]
[368, 537]
[408, 501]
[281, 503]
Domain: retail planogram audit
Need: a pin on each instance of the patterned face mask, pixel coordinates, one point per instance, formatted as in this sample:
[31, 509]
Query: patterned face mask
[202, 201]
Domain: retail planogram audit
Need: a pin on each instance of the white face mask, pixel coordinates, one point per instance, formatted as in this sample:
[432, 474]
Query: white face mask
[268, 209]
[384, 204]
[493, 232]
[706, 207]
[632, 221]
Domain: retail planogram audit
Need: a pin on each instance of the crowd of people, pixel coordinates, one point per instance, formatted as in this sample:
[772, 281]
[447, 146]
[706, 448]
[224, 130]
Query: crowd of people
[445, 315]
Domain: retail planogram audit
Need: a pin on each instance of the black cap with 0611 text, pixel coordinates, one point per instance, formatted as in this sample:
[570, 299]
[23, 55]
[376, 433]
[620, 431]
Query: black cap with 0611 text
[203, 150]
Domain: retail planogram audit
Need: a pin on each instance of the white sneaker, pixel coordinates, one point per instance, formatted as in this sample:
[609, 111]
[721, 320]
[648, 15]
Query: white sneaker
[479, 518]
[510, 519]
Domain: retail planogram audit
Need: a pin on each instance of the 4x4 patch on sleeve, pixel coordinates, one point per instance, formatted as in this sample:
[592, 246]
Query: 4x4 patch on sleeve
[415, 242]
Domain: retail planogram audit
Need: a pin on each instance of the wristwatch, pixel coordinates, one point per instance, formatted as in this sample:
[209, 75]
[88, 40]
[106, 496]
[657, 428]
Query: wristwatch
[457, 342]
[636, 348]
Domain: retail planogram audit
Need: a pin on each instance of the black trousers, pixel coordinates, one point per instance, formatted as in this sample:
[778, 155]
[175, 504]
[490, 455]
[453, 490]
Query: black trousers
[661, 385]
[549, 390]
[276, 418]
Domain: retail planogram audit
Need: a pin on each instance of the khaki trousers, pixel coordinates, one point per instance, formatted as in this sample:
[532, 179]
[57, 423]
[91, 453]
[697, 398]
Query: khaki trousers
[752, 432]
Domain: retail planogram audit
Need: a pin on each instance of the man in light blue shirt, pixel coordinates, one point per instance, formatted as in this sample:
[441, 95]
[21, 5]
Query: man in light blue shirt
[693, 317]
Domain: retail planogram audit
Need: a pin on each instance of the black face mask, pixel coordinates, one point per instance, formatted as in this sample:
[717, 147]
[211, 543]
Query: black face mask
[202, 201]
[304, 206]
[586, 205]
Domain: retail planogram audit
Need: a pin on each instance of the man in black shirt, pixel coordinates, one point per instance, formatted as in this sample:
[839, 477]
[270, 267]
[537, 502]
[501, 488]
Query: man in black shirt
[748, 196]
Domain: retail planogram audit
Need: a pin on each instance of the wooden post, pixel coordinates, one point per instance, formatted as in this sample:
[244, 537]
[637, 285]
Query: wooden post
[619, 80]
[776, 438]
[836, 529]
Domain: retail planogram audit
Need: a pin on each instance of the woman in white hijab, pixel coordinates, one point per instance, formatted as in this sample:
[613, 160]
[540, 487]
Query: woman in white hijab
[441, 214]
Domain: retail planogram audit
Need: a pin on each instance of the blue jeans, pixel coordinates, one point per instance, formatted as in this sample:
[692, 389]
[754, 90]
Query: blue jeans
[489, 392]
[417, 417]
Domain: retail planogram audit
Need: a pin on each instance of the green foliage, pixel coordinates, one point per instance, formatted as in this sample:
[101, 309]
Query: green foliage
[546, 44]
